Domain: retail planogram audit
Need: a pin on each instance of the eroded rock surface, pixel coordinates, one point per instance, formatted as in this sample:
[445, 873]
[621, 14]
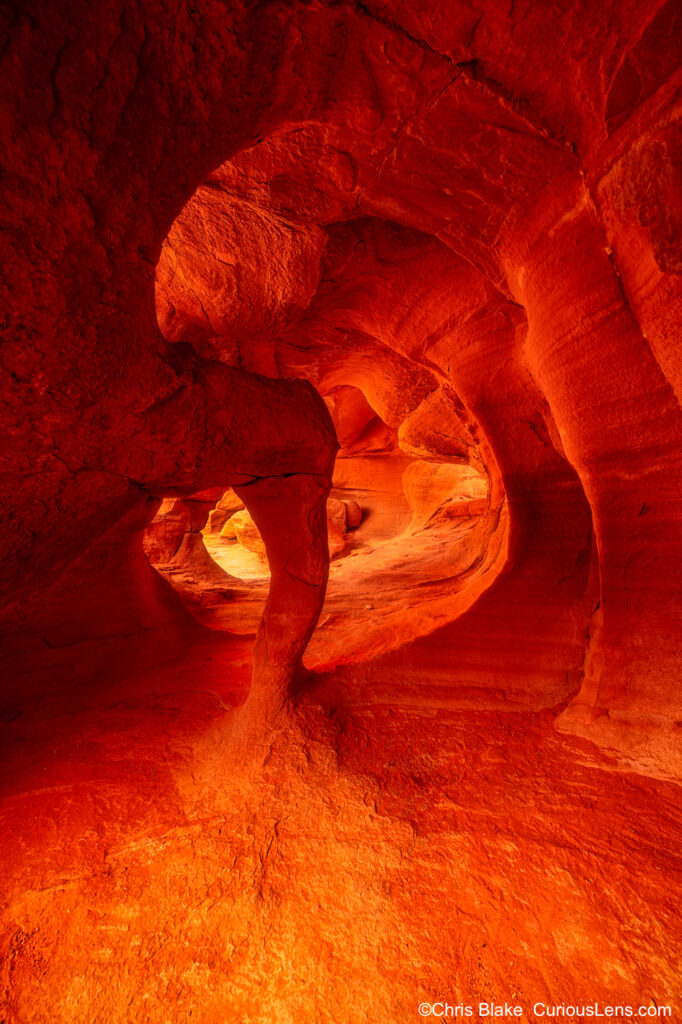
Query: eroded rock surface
[424, 257]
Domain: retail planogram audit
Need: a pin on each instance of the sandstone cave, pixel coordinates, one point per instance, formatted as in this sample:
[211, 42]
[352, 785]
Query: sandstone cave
[342, 510]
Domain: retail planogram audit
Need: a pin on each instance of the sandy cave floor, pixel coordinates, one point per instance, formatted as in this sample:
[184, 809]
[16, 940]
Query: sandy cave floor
[378, 858]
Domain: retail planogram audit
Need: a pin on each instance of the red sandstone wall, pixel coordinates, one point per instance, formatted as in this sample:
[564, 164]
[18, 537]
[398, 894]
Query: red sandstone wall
[541, 152]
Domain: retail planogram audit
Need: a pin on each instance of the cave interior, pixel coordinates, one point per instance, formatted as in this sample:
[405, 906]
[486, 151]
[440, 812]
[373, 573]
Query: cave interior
[341, 509]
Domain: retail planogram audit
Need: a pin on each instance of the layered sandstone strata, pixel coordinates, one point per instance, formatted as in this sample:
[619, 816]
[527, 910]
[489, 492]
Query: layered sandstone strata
[420, 257]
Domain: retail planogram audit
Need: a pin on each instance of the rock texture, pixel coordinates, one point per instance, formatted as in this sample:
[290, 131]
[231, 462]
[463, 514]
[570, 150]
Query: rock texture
[422, 257]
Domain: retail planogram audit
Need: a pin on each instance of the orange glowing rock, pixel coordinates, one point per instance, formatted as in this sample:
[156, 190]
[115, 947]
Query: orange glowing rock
[385, 298]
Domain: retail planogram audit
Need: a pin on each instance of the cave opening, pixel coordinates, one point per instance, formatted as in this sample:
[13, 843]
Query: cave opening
[389, 294]
[255, 275]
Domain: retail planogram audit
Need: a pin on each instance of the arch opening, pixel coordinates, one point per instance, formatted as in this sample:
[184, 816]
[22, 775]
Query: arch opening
[258, 276]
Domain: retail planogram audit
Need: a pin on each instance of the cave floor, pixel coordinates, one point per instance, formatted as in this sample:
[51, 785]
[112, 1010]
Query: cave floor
[374, 858]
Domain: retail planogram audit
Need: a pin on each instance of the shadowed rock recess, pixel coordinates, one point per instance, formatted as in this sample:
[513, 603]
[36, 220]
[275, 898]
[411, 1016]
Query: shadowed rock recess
[341, 590]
